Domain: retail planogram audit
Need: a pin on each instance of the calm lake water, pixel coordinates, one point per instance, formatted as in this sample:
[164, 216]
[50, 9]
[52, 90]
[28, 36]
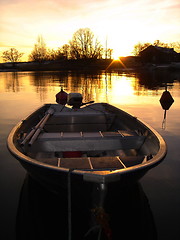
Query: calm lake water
[148, 210]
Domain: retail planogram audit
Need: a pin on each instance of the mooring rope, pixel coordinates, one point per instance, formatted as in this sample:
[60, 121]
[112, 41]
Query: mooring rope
[69, 205]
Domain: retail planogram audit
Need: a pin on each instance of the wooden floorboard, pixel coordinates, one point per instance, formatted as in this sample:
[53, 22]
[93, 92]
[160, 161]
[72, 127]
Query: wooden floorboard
[106, 162]
[75, 163]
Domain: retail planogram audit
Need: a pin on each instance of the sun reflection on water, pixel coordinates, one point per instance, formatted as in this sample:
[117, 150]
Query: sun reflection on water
[122, 87]
[27, 89]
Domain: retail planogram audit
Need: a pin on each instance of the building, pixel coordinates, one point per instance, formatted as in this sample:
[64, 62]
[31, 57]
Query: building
[156, 54]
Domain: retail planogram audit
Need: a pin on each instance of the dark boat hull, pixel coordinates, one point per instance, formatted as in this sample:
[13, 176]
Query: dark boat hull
[53, 177]
[54, 180]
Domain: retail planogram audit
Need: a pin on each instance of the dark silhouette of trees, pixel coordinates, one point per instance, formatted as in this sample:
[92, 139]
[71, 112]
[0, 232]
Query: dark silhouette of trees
[158, 43]
[61, 53]
[139, 47]
[39, 53]
[176, 46]
[12, 55]
[54, 55]
[65, 50]
[51, 54]
[84, 45]
[108, 53]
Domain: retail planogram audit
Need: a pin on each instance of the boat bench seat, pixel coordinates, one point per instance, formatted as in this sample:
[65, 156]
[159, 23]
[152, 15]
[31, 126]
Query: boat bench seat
[109, 162]
[89, 141]
[79, 121]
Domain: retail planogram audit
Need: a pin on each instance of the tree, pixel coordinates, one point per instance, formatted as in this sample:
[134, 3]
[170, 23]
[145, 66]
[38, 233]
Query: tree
[176, 46]
[158, 43]
[109, 53]
[85, 45]
[12, 55]
[51, 54]
[139, 47]
[61, 53]
[65, 50]
[54, 55]
[39, 52]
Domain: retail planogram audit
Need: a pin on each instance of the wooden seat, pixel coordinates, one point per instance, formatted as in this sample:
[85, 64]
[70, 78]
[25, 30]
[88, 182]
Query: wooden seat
[79, 121]
[77, 135]
[88, 141]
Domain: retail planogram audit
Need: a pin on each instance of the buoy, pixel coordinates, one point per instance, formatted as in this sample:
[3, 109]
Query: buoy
[166, 100]
[61, 97]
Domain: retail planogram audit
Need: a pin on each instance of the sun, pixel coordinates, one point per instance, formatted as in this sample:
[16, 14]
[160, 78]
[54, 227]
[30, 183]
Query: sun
[121, 40]
[121, 48]
[116, 55]
[115, 61]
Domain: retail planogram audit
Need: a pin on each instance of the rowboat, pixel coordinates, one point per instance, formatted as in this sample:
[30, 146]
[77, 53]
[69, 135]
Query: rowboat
[95, 143]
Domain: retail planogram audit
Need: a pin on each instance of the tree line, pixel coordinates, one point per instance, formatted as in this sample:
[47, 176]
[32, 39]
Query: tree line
[83, 45]
[141, 46]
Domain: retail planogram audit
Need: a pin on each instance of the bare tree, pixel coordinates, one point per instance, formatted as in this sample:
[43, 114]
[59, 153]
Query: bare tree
[176, 46]
[85, 45]
[61, 53]
[139, 47]
[39, 52]
[109, 53]
[12, 55]
[65, 49]
[51, 54]
[158, 43]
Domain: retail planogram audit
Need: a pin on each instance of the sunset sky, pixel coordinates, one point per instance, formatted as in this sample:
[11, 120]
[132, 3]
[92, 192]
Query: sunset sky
[122, 22]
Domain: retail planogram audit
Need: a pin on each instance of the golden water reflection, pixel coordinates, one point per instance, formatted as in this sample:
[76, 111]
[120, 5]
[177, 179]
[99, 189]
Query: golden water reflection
[30, 89]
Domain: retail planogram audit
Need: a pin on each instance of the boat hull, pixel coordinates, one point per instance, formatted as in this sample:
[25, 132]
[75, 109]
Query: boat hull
[54, 178]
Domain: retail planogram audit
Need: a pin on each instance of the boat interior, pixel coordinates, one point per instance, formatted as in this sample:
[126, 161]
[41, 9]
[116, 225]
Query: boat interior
[93, 137]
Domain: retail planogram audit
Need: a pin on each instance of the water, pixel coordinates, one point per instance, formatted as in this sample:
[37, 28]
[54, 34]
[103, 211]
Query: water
[149, 209]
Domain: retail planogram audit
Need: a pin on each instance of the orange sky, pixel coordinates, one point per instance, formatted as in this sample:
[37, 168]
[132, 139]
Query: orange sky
[122, 22]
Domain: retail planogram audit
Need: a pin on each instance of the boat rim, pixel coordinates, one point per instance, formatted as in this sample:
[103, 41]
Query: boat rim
[154, 161]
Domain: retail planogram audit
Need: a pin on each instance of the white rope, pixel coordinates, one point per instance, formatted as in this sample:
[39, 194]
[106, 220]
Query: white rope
[69, 205]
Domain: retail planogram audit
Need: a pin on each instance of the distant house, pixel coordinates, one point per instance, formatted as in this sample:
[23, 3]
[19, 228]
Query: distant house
[156, 54]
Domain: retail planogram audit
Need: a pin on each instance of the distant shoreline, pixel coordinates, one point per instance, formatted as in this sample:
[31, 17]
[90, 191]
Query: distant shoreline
[130, 63]
[71, 64]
